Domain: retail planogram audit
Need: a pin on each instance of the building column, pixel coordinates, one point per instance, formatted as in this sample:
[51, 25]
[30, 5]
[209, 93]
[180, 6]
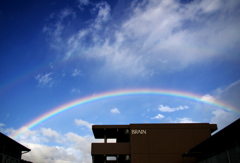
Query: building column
[3, 158]
[229, 160]
[105, 138]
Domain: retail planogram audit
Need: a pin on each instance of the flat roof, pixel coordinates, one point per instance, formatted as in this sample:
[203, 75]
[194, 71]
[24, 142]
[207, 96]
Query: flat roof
[109, 126]
[111, 131]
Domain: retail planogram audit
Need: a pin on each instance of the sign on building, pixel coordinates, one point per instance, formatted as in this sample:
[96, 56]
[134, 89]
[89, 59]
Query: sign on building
[137, 131]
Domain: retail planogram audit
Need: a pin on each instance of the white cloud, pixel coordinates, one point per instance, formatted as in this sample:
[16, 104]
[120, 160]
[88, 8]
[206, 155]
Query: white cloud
[181, 120]
[50, 133]
[44, 153]
[168, 109]
[44, 80]
[75, 90]
[58, 154]
[80, 122]
[2, 127]
[83, 3]
[185, 120]
[115, 111]
[159, 116]
[103, 14]
[30, 136]
[69, 147]
[66, 12]
[158, 29]
[156, 36]
[80, 142]
[76, 72]
[156, 23]
[27, 133]
[208, 98]
[54, 29]
[75, 43]
[1, 124]
[223, 118]
[228, 96]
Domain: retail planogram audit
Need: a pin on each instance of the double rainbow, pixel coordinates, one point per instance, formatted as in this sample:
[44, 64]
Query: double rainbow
[117, 93]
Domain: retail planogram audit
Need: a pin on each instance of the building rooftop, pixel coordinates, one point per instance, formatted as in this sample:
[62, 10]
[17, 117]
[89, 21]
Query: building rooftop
[9, 142]
[112, 131]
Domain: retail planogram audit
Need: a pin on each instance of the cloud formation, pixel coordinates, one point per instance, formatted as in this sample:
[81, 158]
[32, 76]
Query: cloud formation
[157, 36]
[207, 97]
[168, 109]
[185, 120]
[75, 90]
[77, 150]
[115, 111]
[80, 122]
[103, 15]
[83, 3]
[44, 80]
[1, 124]
[181, 120]
[76, 72]
[230, 96]
[159, 116]
[68, 148]
[51, 134]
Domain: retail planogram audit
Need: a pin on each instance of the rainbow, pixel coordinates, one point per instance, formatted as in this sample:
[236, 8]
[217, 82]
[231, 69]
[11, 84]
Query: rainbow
[118, 93]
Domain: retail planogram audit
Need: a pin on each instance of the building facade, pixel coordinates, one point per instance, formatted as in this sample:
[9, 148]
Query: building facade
[11, 151]
[148, 143]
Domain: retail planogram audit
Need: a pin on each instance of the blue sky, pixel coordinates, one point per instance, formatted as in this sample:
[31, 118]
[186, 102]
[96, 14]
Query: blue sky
[54, 52]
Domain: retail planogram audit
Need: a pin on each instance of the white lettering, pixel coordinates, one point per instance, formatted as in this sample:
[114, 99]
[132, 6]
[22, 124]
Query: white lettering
[144, 131]
[139, 132]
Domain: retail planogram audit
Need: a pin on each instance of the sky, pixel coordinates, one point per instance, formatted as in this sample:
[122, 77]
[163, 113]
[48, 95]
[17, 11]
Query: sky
[132, 61]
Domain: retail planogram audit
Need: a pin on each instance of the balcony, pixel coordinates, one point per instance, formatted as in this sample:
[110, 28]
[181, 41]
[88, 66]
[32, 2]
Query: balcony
[110, 148]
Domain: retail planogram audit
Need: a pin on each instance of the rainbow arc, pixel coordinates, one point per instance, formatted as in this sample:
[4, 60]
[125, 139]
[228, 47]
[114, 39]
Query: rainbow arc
[118, 93]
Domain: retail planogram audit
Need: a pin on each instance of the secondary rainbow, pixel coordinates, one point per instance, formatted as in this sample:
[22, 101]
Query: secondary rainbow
[117, 93]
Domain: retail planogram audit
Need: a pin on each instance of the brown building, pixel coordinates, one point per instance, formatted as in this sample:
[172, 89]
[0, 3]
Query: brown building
[148, 143]
[11, 151]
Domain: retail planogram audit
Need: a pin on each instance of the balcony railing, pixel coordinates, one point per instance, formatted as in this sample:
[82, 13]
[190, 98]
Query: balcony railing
[110, 148]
